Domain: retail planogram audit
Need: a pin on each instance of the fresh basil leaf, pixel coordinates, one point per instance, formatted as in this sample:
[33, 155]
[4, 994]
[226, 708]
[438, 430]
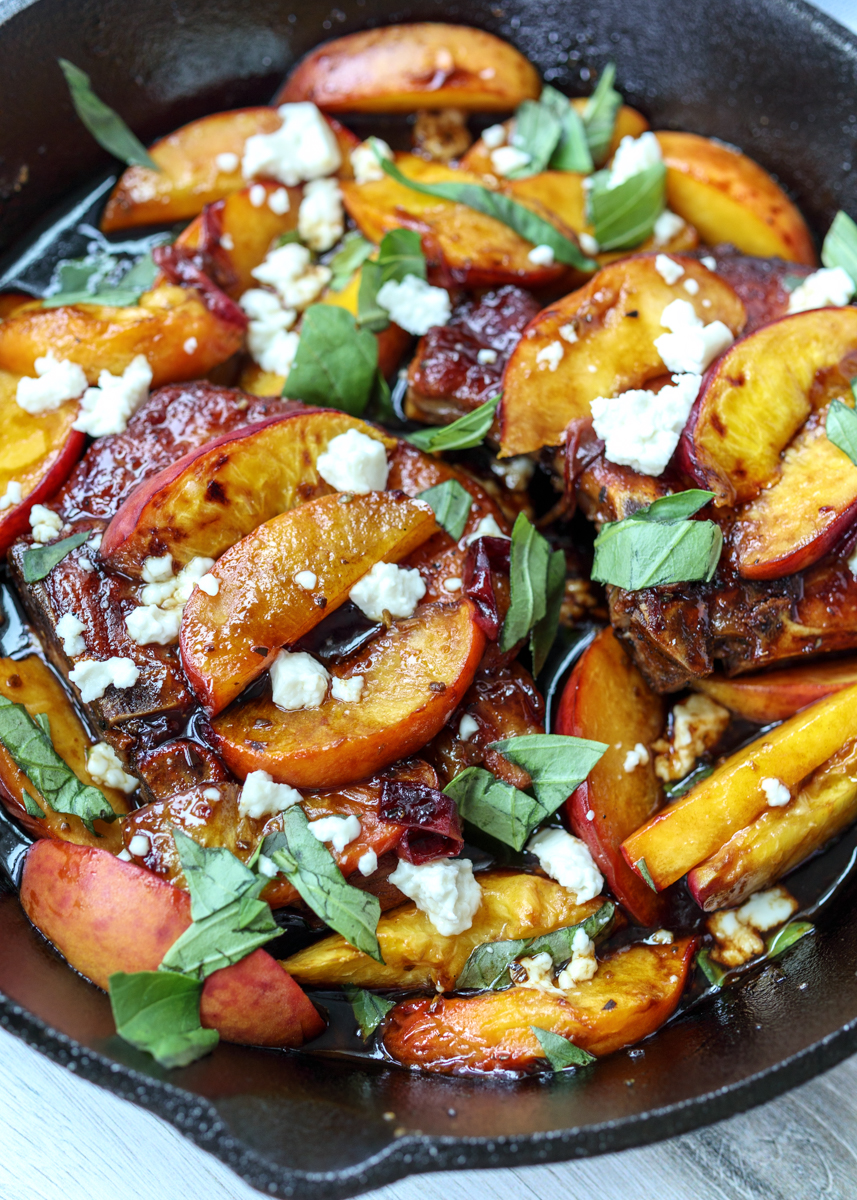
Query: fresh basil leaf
[336, 363]
[311, 869]
[555, 764]
[30, 807]
[158, 1011]
[537, 132]
[840, 245]
[30, 747]
[712, 971]
[624, 216]
[560, 1052]
[526, 223]
[99, 279]
[544, 631]
[841, 428]
[381, 401]
[495, 807]
[399, 255]
[369, 1009]
[105, 125]
[643, 868]
[214, 876]
[559, 944]
[636, 553]
[370, 314]
[678, 507]
[224, 937]
[355, 250]
[572, 150]
[451, 504]
[38, 562]
[462, 434]
[528, 576]
[599, 115]
[673, 790]
[787, 936]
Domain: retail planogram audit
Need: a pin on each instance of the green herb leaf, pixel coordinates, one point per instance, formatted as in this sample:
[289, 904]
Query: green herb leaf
[336, 363]
[495, 807]
[526, 223]
[643, 868]
[105, 125]
[30, 807]
[624, 216]
[560, 1052]
[657, 546]
[678, 507]
[369, 1009]
[537, 132]
[599, 115]
[158, 1011]
[224, 937]
[572, 150]
[712, 971]
[787, 936]
[38, 562]
[83, 281]
[311, 869]
[555, 764]
[451, 504]
[461, 434]
[841, 427]
[31, 749]
[355, 250]
[370, 314]
[215, 877]
[528, 578]
[544, 632]
[840, 245]
[399, 255]
[673, 790]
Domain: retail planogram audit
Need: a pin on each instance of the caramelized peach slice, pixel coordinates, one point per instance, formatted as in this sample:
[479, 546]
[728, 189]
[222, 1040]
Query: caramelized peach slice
[81, 899]
[215, 495]
[632, 994]
[729, 198]
[277, 583]
[414, 675]
[696, 826]
[607, 347]
[400, 68]
[776, 695]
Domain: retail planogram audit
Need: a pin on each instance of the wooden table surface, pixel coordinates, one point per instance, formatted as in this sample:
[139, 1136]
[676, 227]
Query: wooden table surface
[64, 1137]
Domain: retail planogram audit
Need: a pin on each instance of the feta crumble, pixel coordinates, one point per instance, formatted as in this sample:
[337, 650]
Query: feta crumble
[261, 797]
[124, 856]
[696, 725]
[70, 629]
[736, 931]
[709, 262]
[776, 792]
[487, 527]
[93, 678]
[661, 937]
[157, 619]
[298, 681]
[354, 462]
[209, 584]
[56, 381]
[691, 287]
[668, 269]
[829, 287]
[348, 690]
[453, 584]
[550, 356]
[506, 159]
[367, 863]
[44, 524]
[494, 136]
[567, 860]
[690, 346]
[486, 357]
[541, 256]
[257, 195]
[211, 794]
[269, 337]
[339, 831]
[227, 241]
[139, 845]
[445, 890]
[588, 244]
[289, 271]
[109, 407]
[667, 226]
[105, 767]
[414, 305]
[303, 148]
[364, 160]
[13, 495]
[638, 757]
[568, 333]
[388, 588]
[536, 972]
[321, 218]
[278, 202]
[583, 964]
[641, 429]
[267, 867]
[227, 161]
[190, 345]
[632, 156]
[467, 727]
[306, 580]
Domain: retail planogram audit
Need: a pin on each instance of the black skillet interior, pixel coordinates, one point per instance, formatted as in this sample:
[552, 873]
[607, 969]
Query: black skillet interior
[771, 76]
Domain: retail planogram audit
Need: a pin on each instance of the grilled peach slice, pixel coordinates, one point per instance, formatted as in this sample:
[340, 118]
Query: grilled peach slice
[696, 826]
[400, 68]
[607, 700]
[414, 675]
[215, 495]
[632, 994]
[190, 176]
[760, 393]
[80, 898]
[729, 198]
[776, 695]
[261, 606]
[179, 337]
[612, 322]
[781, 838]
[478, 250]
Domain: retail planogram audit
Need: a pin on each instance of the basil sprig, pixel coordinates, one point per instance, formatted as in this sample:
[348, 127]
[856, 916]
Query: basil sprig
[158, 1011]
[624, 216]
[462, 434]
[369, 1009]
[840, 245]
[355, 250]
[399, 255]
[311, 869]
[560, 1052]
[659, 545]
[38, 562]
[841, 425]
[102, 278]
[105, 125]
[599, 115]
[336, 364]
[526, 223]
[451, 504]
[536, 590]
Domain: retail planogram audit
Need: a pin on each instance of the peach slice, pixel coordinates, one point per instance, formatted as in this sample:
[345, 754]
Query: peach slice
[215, 495]
[696, 826]
[760, 393]
[400, 68]
[776, 695]
[729, 198]
[414, 675]
[189, 175]
[607, 700]
[161, 326]
[612, 323]
[260, 606]
[493, 1031]
[82, 898]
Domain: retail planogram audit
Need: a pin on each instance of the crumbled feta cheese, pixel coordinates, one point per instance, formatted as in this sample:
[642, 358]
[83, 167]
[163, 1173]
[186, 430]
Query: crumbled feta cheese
[339, 831]
[668, 269]
[537, 974]
[289, 271]
[321, 218]
[209, 584]
[829, 287]
[157, 570]
[157, 620]
[541, 256]
[590, 816]
[697, 724]
[304, 147]
[453, 584]
[261, 797]
[12, 496]
[109, 407]
[103, 764]
[364, 160]
[632, 156]
[568, 333]
[227, 241]
[467, 727]
[736, 931]
[306, 580]
[709, 262]
[550, 356]
[661, 937]
[506, 159]
[567, 860]
[257, 195]
[516, 472]
[85, 564]
[148, 625]
[139, 845]
[486, 357]
[190, 345]
[778, 795]
[388, 588]
[638, 757]
[690, 345]
[227, 161]
[56, 382]
[169, 592]
[766, 910]
[588, 244]
[211, 794]
[278, 201]
[667, 226]
[487, 527]
[354, 462]
[641, 429]
[298, 681]
[269, 339]
[583, 964]
[414, 305]
[44, 523]
[348, 690]
[124, 856]
[691, 287]
[70, 628]
[367, 863]
[267, 867]
[93, 678]
[444, 889]
[494, 136]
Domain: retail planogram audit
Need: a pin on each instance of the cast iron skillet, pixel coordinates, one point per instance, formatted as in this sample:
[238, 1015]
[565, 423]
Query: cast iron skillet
[772, 76]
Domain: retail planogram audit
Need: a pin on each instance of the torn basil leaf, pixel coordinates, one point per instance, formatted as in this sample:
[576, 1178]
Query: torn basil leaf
[497, 808]
[528, 577]
[599, 115]
[336, 364]
[225, 936]
[571, 152]
[560, 1052]
[105, 125]
[712, 971]
[642, 867]
[673, 791]
[214, 875]
[624, 216]
[543, 633]
[556, 764]
[102, 279]
[451, 504]
[158, 1011]
[462, 434]
[311, 869]
[537, 132]
[399, 255]
[347, 261]
[840, 245]
[369, 1009]
[787, 936]
[38, 562]
[841, 427]
[658, 545]
[678, 507]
